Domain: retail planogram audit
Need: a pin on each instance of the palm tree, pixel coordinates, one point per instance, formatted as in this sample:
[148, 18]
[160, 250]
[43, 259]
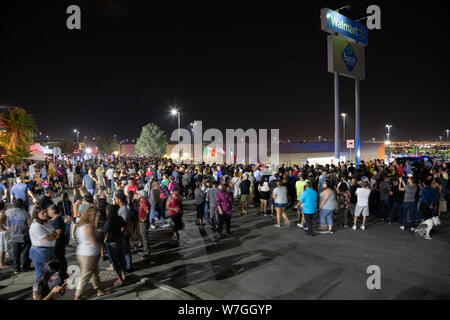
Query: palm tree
[17, 136]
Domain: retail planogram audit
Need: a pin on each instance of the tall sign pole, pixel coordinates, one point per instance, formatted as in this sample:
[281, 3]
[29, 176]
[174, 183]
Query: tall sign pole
[357, 123]
[337, 152]
[346, 57]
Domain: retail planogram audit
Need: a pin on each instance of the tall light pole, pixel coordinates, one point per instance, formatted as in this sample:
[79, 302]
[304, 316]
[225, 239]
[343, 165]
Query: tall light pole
[115, 136]
[448, 131]
[78, 135]
[343, 115]
[388, 134]
[320, 138]
[175, 112]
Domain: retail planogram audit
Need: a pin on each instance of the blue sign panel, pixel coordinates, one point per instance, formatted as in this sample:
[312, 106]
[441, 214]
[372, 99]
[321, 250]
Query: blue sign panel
[335, 22]
[349, 57]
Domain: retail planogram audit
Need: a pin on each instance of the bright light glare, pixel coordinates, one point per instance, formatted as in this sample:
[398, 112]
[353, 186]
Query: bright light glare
[387, 142]
[174, 112]
[88, 150]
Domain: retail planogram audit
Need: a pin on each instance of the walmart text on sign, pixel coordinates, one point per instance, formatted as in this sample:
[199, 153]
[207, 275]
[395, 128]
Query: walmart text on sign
[333, 22]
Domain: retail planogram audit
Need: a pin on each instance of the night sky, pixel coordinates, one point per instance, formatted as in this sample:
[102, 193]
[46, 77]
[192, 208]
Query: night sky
[232, 64]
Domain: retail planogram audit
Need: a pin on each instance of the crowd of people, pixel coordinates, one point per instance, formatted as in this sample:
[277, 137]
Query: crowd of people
[118, 201]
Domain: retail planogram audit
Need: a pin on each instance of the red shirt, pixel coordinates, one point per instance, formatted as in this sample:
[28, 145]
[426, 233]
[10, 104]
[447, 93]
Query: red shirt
[133, 188]
[143, 208]
[175, 203]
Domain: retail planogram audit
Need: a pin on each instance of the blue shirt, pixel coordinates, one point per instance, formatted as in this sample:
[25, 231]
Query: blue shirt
[429, 196]
[19, 191]
[309, 199]
[43, 173]
[89, 183]
[2, 190]
[322, 179]
[219, 174]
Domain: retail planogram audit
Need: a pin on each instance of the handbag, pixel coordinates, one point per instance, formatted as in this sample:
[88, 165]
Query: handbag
[67, 218]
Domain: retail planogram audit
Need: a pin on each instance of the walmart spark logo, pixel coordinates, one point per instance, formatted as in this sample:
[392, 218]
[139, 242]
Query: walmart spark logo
[349, 57]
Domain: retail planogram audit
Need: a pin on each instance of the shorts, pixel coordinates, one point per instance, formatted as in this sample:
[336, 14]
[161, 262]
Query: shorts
[281, 205]
[264, 195]
[363, 210]
[244, 198]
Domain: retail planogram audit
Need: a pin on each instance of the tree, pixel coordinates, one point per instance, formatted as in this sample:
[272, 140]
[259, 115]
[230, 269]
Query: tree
[17, 136]
[106, 144]
[152, 141]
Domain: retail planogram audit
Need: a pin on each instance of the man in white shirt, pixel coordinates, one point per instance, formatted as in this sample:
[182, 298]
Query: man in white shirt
[109, 176]
[362, 205]
[32, 170]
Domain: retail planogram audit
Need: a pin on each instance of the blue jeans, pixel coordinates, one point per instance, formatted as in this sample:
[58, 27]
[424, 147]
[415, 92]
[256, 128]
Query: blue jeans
[395, 206]
[67, 232]
[153, 211]
[309, 219]
[413, 213]
[206, 215]
[40, 257]
[91, 191]
[385, 208]
[326, 216]
[116, 256]
[126, 249]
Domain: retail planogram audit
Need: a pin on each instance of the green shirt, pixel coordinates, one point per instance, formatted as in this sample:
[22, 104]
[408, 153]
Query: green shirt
[300, 187]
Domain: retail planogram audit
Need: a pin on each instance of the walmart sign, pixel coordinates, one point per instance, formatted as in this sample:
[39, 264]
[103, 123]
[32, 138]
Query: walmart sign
[333, 22]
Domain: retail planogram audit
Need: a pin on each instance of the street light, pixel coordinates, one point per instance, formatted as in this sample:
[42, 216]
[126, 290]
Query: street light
[78, 134]
[320, 138]
[344, 115]
[175, 112]
[388, 134]
[448, 131]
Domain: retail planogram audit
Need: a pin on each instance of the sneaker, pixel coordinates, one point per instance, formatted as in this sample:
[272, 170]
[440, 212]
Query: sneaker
[412, 229]
[299, 225]
[402, 227]
[354, 228]
[152, 227]
[331, 232]
[167, 225]
[277, 226]
[265, 214]
[363, 227]
[324, 231]
[427, 237]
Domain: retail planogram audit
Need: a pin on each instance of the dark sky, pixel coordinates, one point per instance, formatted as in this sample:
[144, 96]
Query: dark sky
[232, 64]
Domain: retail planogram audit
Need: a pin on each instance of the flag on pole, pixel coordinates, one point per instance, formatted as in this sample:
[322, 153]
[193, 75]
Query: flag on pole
[213, 152]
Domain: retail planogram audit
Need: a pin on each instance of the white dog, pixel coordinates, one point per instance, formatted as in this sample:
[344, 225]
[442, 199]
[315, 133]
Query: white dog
[425, 227]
